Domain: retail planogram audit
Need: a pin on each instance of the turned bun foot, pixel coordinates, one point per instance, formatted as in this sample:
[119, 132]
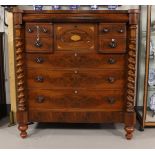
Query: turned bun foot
[23, 129]
[129, 131]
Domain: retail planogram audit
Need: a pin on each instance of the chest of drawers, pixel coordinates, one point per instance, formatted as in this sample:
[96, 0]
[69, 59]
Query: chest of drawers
[75, 67]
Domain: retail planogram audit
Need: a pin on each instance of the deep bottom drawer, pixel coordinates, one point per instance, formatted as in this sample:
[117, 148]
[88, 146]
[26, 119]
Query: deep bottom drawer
[76, 99]
[76, 116]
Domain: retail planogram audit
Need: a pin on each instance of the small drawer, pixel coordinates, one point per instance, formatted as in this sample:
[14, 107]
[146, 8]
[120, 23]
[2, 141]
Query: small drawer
[41, 29]
[44, 44]
[108, 30]
[76, 99]
[112, 45]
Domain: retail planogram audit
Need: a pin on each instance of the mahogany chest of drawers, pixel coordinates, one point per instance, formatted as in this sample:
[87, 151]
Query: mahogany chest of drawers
[75, 67]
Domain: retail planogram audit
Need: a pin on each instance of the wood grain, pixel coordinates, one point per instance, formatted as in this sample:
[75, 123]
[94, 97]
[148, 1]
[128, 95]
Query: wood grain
[72, 66]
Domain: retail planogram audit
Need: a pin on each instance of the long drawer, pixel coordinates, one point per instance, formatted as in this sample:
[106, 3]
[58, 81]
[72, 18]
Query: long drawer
[76, 99]
[85, 78]
[70, 59]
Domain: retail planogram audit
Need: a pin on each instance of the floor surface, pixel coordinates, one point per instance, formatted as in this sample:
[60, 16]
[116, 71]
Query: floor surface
[74, 136]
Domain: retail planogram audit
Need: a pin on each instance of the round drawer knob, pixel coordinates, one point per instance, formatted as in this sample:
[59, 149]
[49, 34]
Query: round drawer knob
[105, 30]
[111, 61]
[40, 99]
[75, 91]
[39, 60]
[111, 100]
[44, 30]
[121, 31]
[38, 44]
[113, 43]
[29, 30]
[111, 79]
[39, 79]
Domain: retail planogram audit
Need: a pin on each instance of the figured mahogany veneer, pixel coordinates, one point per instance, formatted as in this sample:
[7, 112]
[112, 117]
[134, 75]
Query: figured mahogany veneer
[75, 78]
[76, 99]
[112, 29]
[76, 59]
[75, 36]
[75, 67]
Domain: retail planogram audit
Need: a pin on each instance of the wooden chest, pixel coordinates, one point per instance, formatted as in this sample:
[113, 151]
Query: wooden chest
[75, 67]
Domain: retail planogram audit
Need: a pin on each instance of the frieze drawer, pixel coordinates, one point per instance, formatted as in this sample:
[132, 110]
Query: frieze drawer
[76, 59]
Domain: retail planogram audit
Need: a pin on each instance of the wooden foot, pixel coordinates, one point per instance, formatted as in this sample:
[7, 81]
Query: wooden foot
[129, 131]
[23, 128]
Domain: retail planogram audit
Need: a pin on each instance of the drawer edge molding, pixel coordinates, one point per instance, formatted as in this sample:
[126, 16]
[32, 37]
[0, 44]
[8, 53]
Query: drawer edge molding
[76, 116]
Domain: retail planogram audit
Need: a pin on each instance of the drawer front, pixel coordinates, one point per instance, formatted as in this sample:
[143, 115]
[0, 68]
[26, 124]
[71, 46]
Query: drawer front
[42, 45]
[75, 36]
[97, 79]
[44, 29]
[110, 29]
[112, 45]
[76, 60]
[75, 99]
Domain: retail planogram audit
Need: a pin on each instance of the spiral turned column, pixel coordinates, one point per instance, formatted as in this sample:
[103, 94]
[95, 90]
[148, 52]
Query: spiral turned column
[20, 80]
[131, 82]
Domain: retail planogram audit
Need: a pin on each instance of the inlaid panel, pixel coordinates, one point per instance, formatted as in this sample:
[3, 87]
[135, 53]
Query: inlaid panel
[75, 36]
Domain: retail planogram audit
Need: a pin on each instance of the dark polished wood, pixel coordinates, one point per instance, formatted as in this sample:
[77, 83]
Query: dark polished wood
[76, 99]
[75, 67]
[76, 59]
[76, 78]
[2, 80]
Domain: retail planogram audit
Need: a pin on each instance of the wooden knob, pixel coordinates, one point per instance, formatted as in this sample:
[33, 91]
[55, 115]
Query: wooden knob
[29, 30]
[39, 79]
[111, 79]
[39, 60]
[113, 43]
[121, 31]
[111, 61]
[38, 44]
[44, 30]
[105, 30]
[40, 99]
[111, 100]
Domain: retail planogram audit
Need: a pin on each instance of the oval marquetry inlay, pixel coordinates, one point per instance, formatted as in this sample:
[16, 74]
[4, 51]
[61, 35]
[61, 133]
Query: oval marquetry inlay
[75, 37]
